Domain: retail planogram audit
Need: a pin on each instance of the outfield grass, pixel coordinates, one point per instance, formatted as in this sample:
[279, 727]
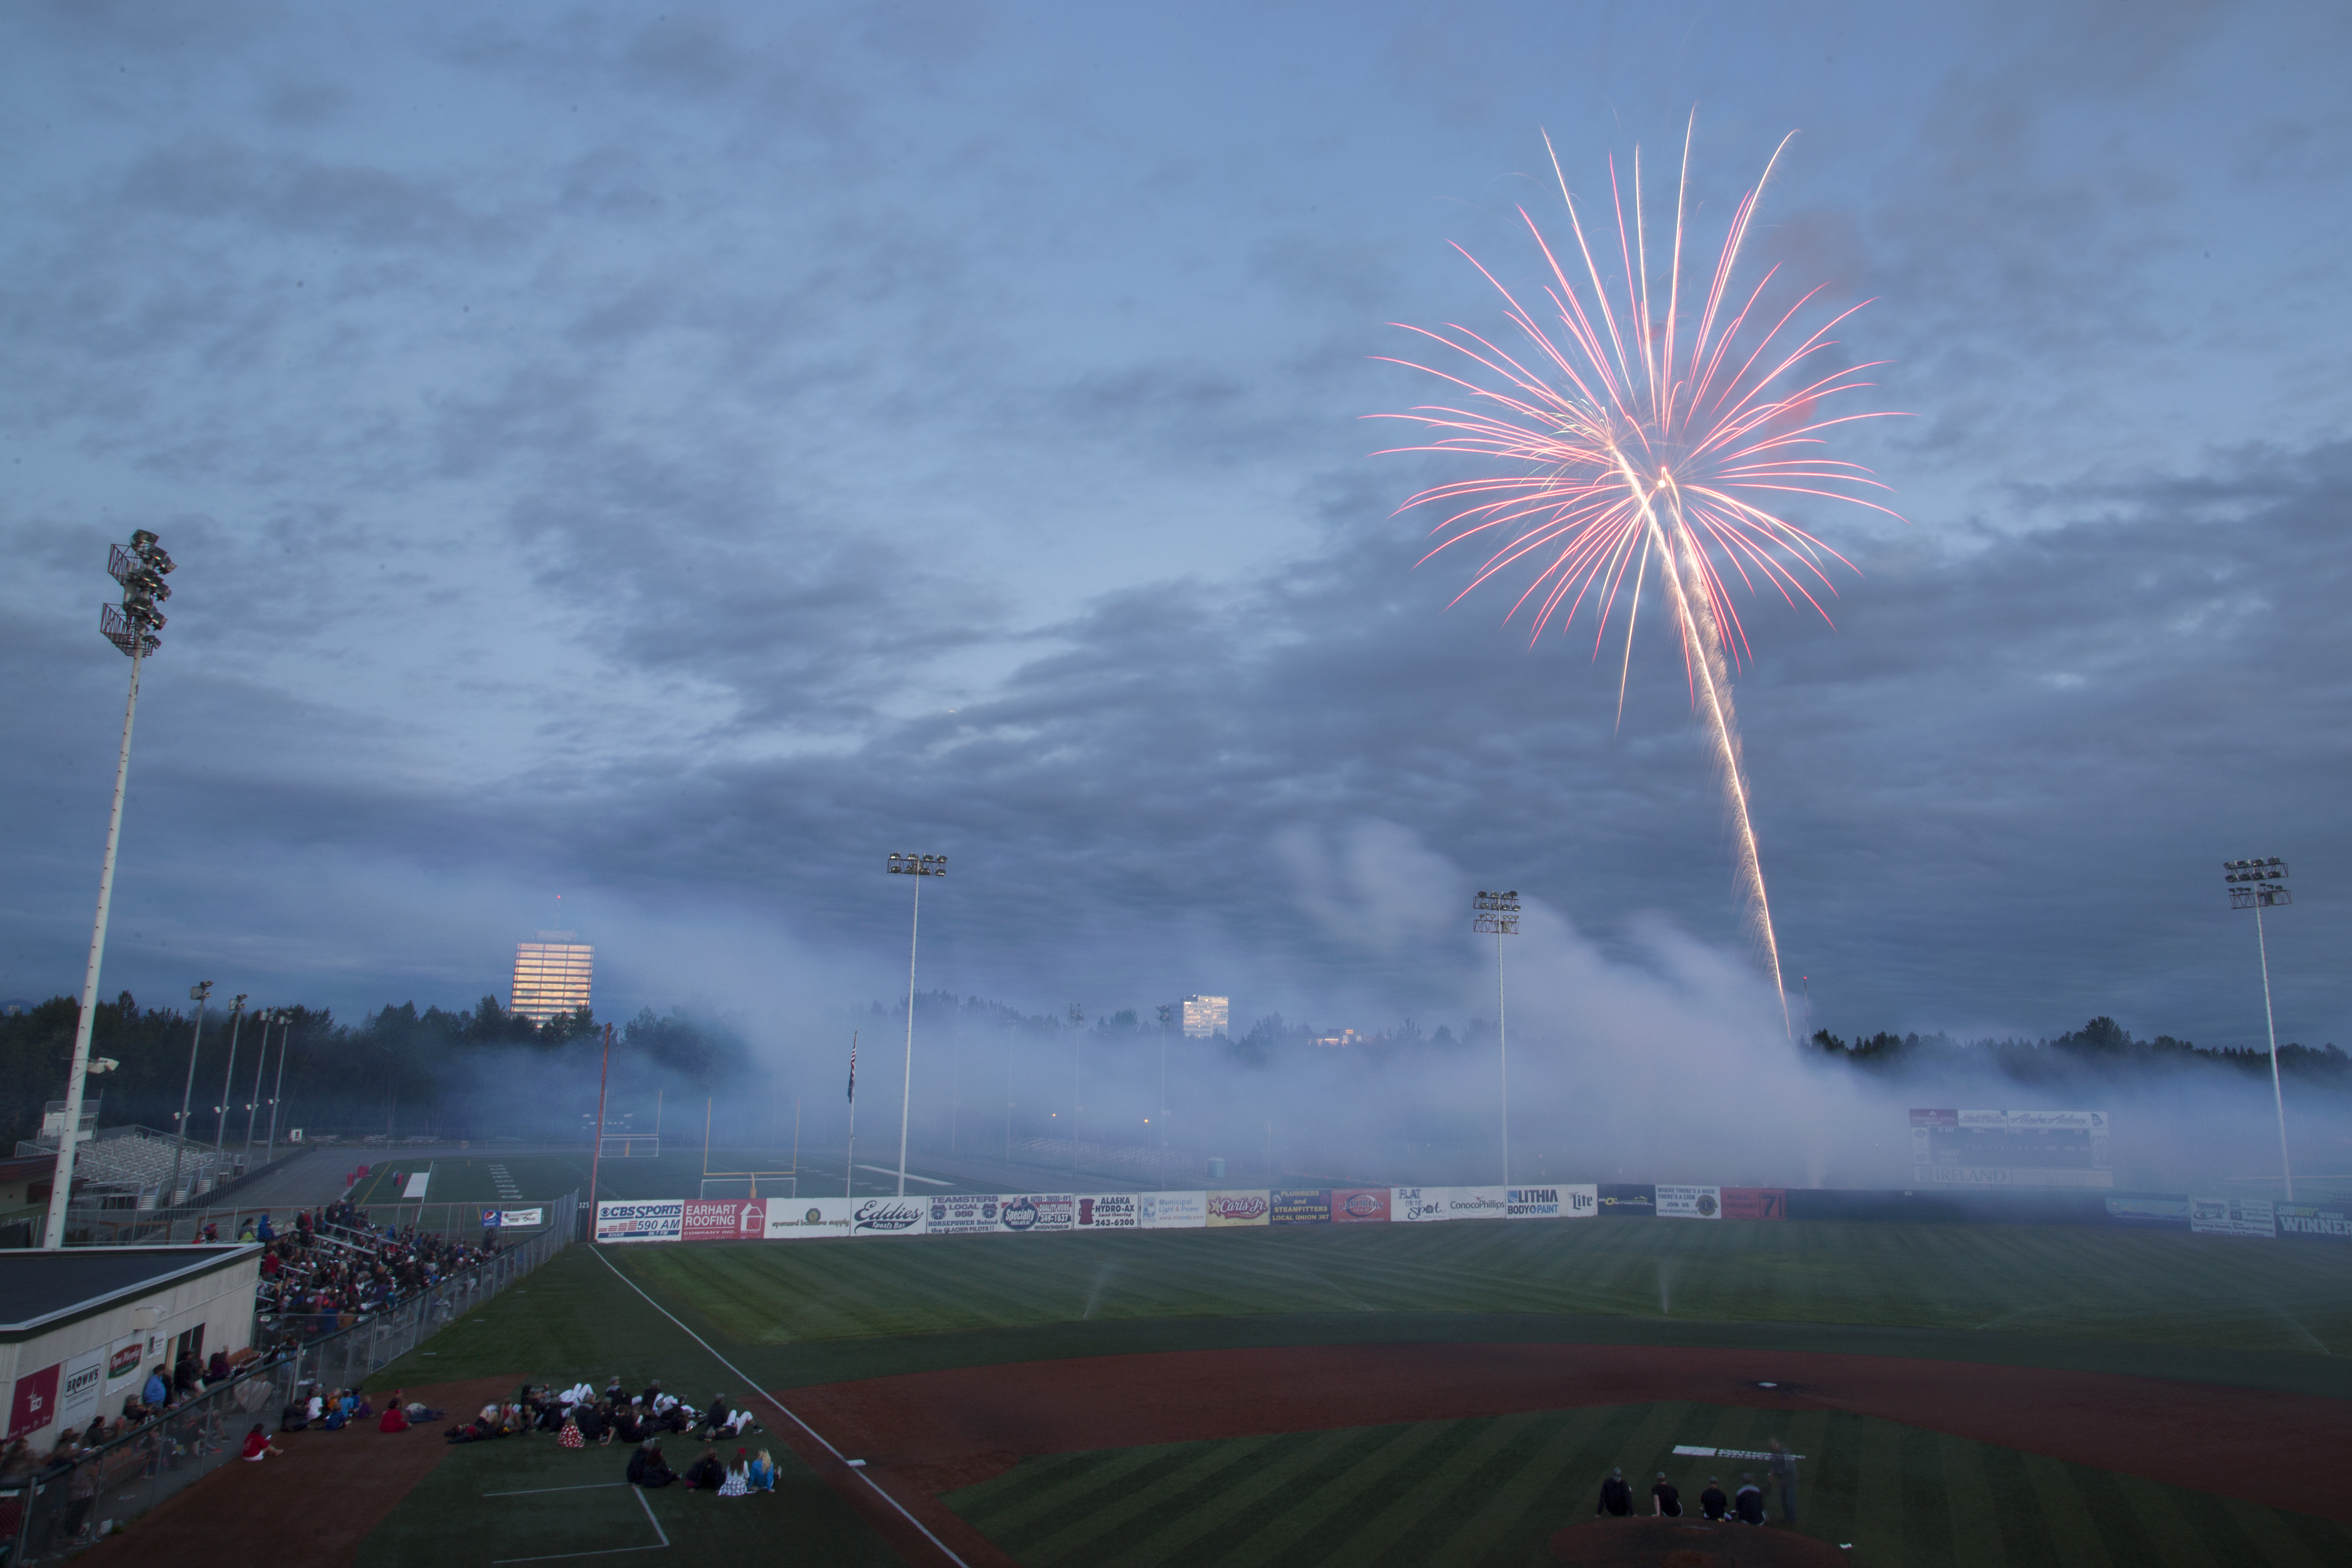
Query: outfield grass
[1490, 1490]
[2044, 1282]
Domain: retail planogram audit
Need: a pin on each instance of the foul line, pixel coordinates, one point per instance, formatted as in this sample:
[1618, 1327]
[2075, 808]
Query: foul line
[752, 1383]
[636, 1492]
[930, 1181]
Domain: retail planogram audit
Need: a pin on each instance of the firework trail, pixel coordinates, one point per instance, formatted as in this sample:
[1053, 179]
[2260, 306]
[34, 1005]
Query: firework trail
[1630, 430]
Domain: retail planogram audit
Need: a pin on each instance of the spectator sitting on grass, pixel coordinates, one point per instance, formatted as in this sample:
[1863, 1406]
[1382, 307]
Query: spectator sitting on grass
[647, 1470]
[705, 1473]
[1665, 1499]
[257, 1445]
[569, 1436]
[1616, 1497]
[1748, 1503]
[595, 1425]
[762, 1472]
[1712, 1503]
[394, 1418]
[715, 1417]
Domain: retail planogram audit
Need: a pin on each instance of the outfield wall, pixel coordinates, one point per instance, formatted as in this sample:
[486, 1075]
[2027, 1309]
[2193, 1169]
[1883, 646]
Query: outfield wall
[1022, 1214]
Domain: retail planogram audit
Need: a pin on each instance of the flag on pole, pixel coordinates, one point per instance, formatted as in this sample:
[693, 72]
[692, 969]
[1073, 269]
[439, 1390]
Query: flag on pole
[853, 1067]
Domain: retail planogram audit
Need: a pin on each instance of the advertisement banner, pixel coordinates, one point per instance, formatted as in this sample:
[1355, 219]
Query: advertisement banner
[1299, 1205]
[78, 1392]
[1754, 1203]
[888, 1217]
[1359, 1205]
[1237, 1209]
[1109, 1211]
[1690, 1202]
[1024, 1212]
[724, 1219]
[1962, 1147]
[1174, 1210]
[2232, 1217]
[1628, 1200]
[35, 1403]
[126, 1359]
[1572, 1200]
[809, 1219]
[2308, 1219]
[2172, 1212]
[658, 1221]
[495, 1217]
[965, 1213]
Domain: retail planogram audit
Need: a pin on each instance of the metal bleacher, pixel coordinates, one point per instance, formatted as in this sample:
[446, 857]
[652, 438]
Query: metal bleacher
[132, 1167]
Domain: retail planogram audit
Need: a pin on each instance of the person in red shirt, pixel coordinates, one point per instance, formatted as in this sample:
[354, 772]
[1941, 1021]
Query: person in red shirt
[259, 1447]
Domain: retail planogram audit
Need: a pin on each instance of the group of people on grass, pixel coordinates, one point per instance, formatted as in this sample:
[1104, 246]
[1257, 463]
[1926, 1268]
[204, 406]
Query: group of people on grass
[749, 1473]
[580, 1415]
[1745, 1505]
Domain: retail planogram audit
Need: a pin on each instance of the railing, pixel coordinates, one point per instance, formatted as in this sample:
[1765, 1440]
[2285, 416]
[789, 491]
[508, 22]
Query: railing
[48, 1517]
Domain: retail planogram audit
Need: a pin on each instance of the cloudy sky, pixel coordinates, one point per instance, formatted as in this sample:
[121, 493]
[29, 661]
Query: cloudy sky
[633, 469]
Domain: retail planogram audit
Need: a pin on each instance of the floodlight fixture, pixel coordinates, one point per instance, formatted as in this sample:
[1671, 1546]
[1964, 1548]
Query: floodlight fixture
[1498, 914]
[229, 1073]
[914, 865]
[2258, 885]
[132, 626]
[198, 993]
[277, 1088]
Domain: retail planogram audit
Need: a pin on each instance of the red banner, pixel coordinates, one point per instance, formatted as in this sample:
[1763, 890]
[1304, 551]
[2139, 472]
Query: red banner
[1754, 1203]
[736, 1219]
[1359, 1205]
[35, 1404]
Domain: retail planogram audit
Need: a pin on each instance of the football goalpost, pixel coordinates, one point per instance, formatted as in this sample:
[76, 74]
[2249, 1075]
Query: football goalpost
[783, 1183]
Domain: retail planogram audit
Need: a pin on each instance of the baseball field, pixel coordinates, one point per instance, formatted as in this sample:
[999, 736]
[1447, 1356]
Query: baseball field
[1964, 1394]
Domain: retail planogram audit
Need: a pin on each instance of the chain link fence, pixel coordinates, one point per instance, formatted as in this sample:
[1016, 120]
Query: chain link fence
[51, 1515]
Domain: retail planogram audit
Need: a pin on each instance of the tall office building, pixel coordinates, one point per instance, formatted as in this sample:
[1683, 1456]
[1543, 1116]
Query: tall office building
[1204, 1017]
[552, 976]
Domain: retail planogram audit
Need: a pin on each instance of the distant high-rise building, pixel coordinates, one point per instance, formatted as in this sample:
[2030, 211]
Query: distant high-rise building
[552, 976]
[1204, 1017]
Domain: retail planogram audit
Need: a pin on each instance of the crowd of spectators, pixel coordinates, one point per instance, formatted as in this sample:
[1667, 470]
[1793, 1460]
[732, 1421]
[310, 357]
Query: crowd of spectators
[330, 1271]
[579, 1417]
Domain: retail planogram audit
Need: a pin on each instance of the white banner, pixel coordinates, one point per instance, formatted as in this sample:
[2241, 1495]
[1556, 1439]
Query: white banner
[1173, 1210]
[809, 1219]
[965, 1213]
[1429, 1203]
[1246, 1206]
[2232, 1217]
[1572, 1200]
[1690, 1202]
[1107, 1211]
[78, 1387]
[506, 1217]
[658, 1221]
[889, 1217]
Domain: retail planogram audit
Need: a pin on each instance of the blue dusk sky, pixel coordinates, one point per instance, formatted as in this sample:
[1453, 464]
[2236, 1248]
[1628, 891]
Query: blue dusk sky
[633, 469]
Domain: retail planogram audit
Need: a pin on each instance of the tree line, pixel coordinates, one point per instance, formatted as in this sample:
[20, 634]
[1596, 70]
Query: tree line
[2100, 1048]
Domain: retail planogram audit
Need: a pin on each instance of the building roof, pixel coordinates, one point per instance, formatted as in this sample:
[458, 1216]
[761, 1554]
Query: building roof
[28, 1167]
[42, 1289]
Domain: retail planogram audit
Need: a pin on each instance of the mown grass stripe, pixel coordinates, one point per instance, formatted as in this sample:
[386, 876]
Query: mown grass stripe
[1177, 1482]
[1402, 1468]
[1527, 1490]
[1969, 1504]
[2018, 1511]
[2068, 1520]
[2116, 1516]
[1197, 1533]
[1447, 1473]
[1065, 1484]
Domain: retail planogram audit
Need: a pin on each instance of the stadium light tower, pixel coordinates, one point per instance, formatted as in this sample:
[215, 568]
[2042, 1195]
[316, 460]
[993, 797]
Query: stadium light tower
[265, 1018]
[2260, 884]
[229, 1073]
[1499, 913]
[277, 1085]
[917, 866]
[140, 568]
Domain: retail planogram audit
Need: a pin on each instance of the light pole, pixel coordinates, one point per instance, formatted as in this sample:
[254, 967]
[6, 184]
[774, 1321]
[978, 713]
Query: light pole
[228, 1075]
[918, 866]
[1499, 913]
[2256, 884]
[252, 1106]
[277, 1086]
[197, 994]
[132, 626]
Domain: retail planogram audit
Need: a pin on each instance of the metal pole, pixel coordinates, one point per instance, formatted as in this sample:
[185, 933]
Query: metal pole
[1502, 1036]
[199, 994]
[61, 1187]
[252, 1106]
[849, 1158]
[907, 1090]
[1163, 1107]
[277, 1086]
[2270, 1023]
[603, 1077]
[236, 1022]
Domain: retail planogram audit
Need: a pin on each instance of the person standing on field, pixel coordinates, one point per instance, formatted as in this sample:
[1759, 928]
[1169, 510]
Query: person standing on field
[1783, 1469]
[1616, 1497]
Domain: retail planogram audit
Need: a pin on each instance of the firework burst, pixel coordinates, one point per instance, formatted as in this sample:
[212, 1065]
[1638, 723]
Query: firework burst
[1628, 426]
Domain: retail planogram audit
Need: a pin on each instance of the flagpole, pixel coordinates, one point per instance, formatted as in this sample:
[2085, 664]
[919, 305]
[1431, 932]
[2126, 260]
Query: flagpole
[602, 1078]
[849, 1163]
